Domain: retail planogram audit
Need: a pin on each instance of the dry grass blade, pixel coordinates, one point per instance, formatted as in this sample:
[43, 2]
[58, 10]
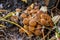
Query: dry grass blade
[55, 19]
[2, 26]
[16, 25]
[53, 38]
[9, 15]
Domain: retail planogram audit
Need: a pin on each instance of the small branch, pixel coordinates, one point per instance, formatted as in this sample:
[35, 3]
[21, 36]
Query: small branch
[47, 34]
[16, 25]
[43, 33]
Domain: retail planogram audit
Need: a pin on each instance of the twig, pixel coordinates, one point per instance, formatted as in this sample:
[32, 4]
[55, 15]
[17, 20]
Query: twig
[47, 34]
[57, 3]
[9, 15]
[43, 33]
[16, 25]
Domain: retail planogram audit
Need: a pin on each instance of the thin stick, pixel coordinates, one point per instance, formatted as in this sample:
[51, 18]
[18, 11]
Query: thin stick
[16, 25]
[43, 33]
[47, 34]
[57, 3]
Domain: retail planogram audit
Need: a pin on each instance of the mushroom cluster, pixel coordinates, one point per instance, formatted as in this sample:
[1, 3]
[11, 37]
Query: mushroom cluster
[34, 19]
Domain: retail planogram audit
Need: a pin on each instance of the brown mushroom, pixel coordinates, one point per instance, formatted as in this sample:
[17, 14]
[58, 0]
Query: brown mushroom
[31, 29]
[23, 15]
[32, 23]
[26, 21]
[44, 19]
[38, 27]
[29, 8]
[43, 22]
[37, 32]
